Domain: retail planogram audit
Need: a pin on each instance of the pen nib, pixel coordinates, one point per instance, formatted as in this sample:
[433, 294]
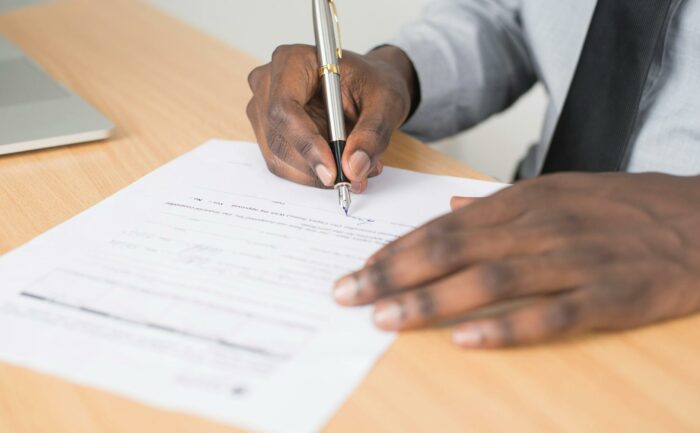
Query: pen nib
[344, 197]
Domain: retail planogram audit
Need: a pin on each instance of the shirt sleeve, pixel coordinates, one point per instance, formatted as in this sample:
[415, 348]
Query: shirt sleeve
[472, 60]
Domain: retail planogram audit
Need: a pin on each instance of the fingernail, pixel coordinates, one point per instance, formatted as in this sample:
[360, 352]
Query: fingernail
[346, 290]
[324, 174]
[469, 337]
[359, 164]
[388, 316]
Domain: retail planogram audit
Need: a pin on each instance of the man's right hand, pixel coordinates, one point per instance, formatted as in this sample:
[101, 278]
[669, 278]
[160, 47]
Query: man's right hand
[288, 113]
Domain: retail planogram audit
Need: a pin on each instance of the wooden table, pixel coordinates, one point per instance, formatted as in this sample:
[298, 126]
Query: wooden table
[169, 88]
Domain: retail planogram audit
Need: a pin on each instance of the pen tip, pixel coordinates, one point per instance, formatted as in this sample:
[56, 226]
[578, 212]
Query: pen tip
[344, 197]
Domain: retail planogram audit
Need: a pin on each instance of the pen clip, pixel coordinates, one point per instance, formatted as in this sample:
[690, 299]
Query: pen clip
[338, 42]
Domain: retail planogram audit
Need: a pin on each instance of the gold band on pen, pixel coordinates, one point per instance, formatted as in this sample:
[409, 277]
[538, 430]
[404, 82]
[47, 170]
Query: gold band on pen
[328, 69]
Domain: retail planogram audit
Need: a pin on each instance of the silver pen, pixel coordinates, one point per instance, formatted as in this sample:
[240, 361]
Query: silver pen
[327, 31]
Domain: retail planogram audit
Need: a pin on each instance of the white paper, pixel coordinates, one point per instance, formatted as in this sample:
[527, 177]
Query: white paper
[205, 287]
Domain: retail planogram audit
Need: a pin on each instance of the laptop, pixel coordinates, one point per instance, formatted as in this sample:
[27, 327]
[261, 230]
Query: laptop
[38, 112]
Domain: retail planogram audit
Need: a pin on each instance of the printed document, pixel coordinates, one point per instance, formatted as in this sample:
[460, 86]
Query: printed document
[205, 287]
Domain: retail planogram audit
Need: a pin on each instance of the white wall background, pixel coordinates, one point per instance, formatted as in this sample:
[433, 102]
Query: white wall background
[257, 27]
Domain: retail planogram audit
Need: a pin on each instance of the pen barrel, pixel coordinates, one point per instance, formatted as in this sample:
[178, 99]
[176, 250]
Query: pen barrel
[330, 82]
[324, 32]
[336, 124]
[329, 53]
[337, 147]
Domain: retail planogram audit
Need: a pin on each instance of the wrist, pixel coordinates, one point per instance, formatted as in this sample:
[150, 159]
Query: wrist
[398, 60]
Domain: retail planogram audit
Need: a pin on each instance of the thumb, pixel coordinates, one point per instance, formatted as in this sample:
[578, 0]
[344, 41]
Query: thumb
[379, 117]
[366, 143]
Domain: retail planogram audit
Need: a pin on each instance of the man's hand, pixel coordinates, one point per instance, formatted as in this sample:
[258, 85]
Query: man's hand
[288, 113]
[590, 251]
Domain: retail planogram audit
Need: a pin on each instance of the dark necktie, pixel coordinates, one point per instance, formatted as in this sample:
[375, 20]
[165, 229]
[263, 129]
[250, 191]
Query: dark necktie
[597, 122]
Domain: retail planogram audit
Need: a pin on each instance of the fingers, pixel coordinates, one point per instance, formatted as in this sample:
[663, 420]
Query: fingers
[291, 132]
[438, 256]
[290, 140]
[482, 285]
[542, 320]
[294, 169]
[460, 202]
[293, 74]
[498, 209]
[294, 82]
[366, 143]
[289, 117]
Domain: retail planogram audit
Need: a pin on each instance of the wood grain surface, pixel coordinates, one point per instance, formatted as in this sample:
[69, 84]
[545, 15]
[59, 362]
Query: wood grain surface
[169, 88]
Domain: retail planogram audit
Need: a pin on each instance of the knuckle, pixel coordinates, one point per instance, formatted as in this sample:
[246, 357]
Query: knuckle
[285, 52]
[275, 135]
[305, 51]
[569, 178]
[255, 76]
[281, 52]
[565, 227]
[436, 230]
[443, 250]
[541, 189]
[562, 316]
[378, 279]
[555, 180]
[538, 187]
[425, 302]
[277, 114]
[278, 145]
[496, 279]
[305, 146]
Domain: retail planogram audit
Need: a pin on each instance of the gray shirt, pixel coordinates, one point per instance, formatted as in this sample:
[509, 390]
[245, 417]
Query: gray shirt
[474, 58]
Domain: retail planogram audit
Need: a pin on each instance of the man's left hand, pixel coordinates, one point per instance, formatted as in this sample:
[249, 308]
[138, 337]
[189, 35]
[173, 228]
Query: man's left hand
[590, 251]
